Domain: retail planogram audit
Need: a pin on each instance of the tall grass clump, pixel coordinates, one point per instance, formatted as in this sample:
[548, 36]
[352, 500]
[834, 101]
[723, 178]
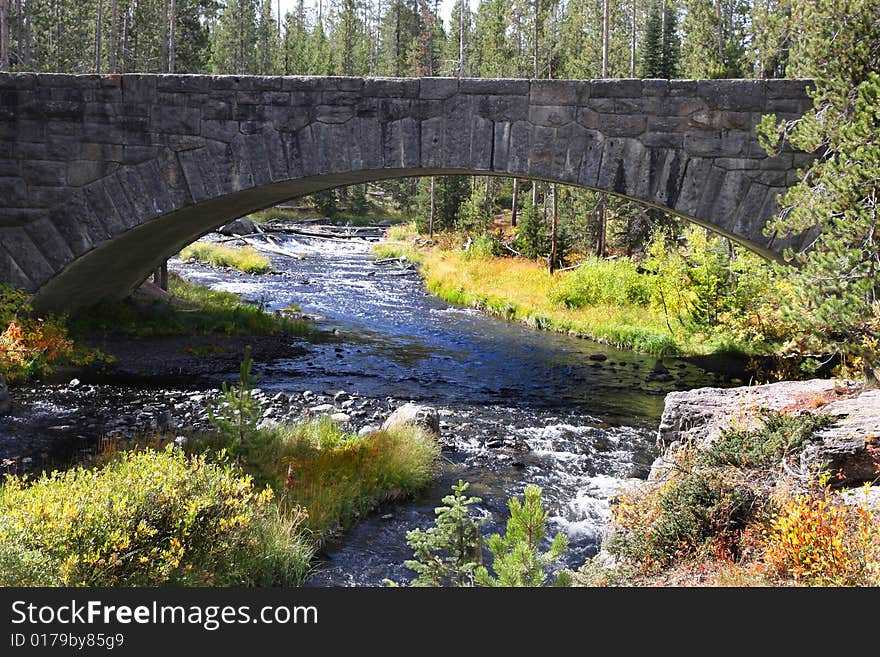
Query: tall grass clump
[338, 476]
[148, 518]
[245, 258]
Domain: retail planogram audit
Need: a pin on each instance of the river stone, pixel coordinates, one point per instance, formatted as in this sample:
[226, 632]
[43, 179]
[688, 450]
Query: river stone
[342, 418]
[850, 448]
[5, 399]
[847, 448]
[425, 417]
[241, 226]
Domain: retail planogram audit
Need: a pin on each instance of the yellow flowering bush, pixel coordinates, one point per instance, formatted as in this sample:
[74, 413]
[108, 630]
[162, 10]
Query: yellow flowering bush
[147, 518]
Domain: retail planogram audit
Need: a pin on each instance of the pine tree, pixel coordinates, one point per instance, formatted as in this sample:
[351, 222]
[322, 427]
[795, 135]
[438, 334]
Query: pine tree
[518, 560]
[235, 39]
[492, 52]
[448, 553]
[837, 279]
[267, 41]
[239, 411]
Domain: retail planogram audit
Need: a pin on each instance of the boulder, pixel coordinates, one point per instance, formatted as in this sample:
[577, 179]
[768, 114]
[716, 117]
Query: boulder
[241, 226]
[850, 448]
[424, 417]
[5, 399]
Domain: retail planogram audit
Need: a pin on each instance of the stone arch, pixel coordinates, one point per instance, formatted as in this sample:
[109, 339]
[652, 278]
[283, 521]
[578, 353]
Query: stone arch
[104, 176]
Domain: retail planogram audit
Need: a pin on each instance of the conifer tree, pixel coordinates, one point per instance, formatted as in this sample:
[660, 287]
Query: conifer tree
[518, 559]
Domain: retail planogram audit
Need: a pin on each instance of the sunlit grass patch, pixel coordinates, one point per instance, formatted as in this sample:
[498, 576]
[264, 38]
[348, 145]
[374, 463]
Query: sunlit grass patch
[245, 258]
[193, 310]
[338, 476]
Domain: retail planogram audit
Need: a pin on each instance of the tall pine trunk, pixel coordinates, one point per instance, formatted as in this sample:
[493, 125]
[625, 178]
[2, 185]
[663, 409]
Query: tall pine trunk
[632, 41]
[602, 225]
[4, 35]
[606, 27]
[554, 223]
[114, 34]
[431, 212]
[99, 28]
[172, 39]
[163, 47]
[514, 203]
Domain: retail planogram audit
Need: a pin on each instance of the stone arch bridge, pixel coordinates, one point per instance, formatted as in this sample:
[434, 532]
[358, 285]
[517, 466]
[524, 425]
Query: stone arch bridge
[103, 177]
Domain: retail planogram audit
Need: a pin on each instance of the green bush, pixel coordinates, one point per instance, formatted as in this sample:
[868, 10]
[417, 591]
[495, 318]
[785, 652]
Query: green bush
[147, 518]
[683, 518]
[603, 282]
[780, 434]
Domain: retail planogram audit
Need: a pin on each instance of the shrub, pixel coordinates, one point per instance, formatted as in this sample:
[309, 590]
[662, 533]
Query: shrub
[148, 518]
[779, 435]
[33, 346]
[818, 540]
[695, 512]
[598, 281]
[245, 258]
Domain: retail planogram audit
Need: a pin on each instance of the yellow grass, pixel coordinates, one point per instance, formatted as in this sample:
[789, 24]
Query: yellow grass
[519, 290]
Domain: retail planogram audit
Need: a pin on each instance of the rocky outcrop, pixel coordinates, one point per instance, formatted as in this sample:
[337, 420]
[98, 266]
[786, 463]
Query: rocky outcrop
[241, 226]
[848, 448]
[5, 400]
[424, 417]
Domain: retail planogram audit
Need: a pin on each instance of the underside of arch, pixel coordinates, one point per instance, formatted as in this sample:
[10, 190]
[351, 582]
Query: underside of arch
[117, 266]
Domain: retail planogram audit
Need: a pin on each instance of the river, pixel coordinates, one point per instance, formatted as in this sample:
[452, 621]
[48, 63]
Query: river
[517, 406]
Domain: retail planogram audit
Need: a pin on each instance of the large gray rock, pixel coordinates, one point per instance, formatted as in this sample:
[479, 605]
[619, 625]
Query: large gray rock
[5, 399]
[241, 226]
[424, 417]
[848, 448]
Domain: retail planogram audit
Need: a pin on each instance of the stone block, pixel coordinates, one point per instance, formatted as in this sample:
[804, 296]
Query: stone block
[558, 92]
[494, 87]
[542, 151]
[551, 116]
[52, 244]
[482, 143]
[502, 108]
[44, 172]
[432, 133]
[177, 120]
[391, 87]
[621, 125]
[83, 172]
[437, 88]
[618, 88]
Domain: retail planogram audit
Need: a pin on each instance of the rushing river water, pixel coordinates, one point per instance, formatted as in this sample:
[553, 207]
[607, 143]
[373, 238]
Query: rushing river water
[517, 406]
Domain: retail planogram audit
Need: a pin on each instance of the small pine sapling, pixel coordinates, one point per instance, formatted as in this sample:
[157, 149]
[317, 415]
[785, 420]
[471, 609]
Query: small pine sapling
[518, 560]
[448, 553]
[239, 412]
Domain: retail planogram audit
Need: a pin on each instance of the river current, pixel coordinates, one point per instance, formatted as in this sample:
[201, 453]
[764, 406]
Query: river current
[517, 406]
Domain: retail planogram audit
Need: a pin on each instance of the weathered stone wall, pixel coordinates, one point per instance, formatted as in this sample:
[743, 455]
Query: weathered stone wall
[101, 177]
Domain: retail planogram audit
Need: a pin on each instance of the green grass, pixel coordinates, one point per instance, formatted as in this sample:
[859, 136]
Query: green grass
[337, 476]
[398, 250]
[194, 310]
[148, 518]
[245, 259]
